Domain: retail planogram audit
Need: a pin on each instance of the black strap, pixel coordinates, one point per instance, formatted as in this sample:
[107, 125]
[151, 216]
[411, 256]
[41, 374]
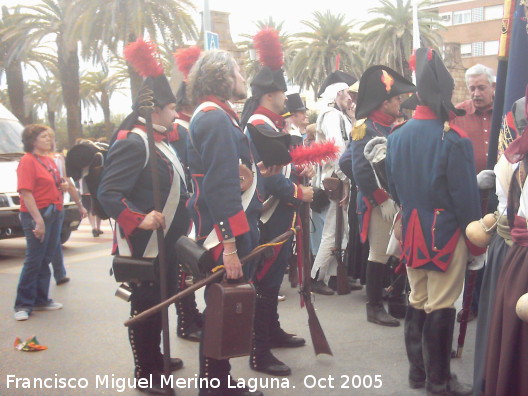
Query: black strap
[50, 170]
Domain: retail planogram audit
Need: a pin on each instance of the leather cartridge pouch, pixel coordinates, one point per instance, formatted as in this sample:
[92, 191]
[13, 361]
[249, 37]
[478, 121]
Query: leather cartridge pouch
[132, 269]
[196, 260]
[228, 324]
[333, 188]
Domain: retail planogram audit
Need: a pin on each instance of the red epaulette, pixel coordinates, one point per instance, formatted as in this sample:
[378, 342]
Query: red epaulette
[121, 135]
[258, 121]
[397, 126]
[459, 131]
[209, 108]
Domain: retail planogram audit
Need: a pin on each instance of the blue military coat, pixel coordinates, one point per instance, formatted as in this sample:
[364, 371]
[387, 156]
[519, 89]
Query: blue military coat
[370, 194]
[217, 147]
[431, 174]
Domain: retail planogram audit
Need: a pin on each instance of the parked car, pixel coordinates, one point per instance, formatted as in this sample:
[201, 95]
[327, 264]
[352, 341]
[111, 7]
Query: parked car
[10, 153]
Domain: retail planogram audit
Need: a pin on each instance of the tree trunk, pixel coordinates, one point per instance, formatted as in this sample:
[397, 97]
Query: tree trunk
[135, 79]
[68, 60]
[15, 90]
[51, 117]
[105, 105]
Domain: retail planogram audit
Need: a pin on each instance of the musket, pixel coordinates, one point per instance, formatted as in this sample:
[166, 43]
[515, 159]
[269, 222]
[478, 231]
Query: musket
[146, 108]
[343, 287]
[257, 252]
[319, 341]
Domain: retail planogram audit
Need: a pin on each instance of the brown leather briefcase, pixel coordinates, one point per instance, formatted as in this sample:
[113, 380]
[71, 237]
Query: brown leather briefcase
[229, 320]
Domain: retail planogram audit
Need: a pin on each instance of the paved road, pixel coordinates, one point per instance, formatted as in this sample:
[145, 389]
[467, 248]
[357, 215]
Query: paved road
[87, 340]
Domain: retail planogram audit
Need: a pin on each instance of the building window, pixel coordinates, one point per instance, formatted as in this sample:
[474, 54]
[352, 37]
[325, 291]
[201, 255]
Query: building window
[445, 18]
[493, 12]
[460, 17]
[465, 50]
[477, 14]
[491, 47]
[477, 49]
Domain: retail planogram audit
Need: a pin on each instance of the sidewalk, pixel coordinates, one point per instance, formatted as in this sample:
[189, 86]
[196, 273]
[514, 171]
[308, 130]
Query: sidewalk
[87, 342]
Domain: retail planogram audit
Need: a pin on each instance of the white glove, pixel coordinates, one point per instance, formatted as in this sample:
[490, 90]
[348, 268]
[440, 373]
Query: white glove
[486, 179]
[476, 262]
[388, 210]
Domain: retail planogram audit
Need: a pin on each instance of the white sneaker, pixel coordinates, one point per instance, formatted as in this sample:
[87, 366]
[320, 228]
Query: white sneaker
[51, 306]
[281, 297]
[21, 315]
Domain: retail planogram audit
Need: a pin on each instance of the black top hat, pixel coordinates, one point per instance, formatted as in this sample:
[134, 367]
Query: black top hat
[435, 84]
[295, 103]
[377, 84]
[335, 77]
[271, 146]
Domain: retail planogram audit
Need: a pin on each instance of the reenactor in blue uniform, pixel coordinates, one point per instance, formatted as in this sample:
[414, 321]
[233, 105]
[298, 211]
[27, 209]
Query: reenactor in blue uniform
[431, 173]
[189, 317]
[226, 220]
[126, 193]
[378, 106]
[284, 195]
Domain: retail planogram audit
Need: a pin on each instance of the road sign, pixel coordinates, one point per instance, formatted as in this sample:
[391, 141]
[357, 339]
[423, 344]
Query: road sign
[211, 41]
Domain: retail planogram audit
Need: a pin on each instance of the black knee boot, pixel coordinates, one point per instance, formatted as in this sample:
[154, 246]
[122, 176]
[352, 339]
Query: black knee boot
[146, 364]
[261, 358]
[414, 323]
[278, 337]
[190, 320]
[397, 302]
[437, 343]
[375, 310]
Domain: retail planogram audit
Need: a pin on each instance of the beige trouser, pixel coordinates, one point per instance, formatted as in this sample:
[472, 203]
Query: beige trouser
[433, 290]
[378, 237]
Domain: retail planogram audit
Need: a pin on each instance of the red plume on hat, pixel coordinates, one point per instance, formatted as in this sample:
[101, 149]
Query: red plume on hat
[185, 59]
[269, 49]
[144, 58]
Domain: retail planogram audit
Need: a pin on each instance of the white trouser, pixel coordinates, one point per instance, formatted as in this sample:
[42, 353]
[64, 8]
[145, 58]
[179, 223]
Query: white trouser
[325, 261]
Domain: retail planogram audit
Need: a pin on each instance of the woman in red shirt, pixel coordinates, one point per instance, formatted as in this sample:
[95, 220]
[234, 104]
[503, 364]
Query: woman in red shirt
[40, 188]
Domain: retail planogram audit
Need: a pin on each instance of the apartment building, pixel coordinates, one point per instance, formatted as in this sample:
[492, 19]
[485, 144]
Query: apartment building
[475, 25]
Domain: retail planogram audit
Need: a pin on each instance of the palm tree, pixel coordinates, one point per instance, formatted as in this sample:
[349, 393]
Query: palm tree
[12, 68]
[50, 20]
[112, 23]
[251, 64]
[46, 92]
[389, 38]
[318, 51]
[97, 89]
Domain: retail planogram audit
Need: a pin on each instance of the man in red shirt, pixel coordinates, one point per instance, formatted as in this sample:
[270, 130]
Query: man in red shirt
[480, 81]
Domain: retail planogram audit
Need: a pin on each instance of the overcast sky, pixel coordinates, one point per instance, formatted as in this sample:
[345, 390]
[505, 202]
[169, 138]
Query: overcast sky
[244, 13]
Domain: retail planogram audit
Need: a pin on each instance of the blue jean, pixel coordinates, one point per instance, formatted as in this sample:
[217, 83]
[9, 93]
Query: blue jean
[59, 271]
[34, 282]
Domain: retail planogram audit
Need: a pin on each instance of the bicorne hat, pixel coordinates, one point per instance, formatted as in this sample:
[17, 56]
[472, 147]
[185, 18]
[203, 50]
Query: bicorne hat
[336, 77]
[377, 84]
[434, 83]
[272, 146]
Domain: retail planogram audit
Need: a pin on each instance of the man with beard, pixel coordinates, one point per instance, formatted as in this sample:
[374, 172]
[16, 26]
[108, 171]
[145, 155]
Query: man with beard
[332, 124]
[225, 220]
[284, 192]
